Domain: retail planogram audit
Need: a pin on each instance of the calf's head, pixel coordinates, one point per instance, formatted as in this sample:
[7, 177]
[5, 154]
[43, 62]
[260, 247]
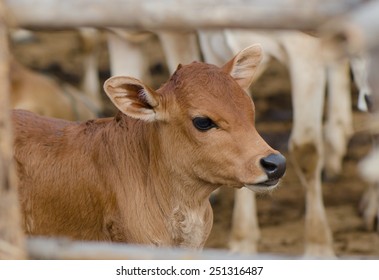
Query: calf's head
[205, 122]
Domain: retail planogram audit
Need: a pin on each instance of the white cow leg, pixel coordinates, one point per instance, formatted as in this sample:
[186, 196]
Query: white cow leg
[339, 125]
[91, 81]
[126, 57]
[369, 204]
[179, 47]
[307, 159]
[306, 145]
[214, 46]
[369, 207]
[245, 231]
[366, 77]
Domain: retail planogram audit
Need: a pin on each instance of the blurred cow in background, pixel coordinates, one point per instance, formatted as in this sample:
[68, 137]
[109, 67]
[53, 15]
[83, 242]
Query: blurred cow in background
[39, 93]
[45, 95]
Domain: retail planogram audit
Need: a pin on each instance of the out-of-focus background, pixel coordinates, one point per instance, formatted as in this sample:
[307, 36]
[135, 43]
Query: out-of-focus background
[73, 63]
[59, 54]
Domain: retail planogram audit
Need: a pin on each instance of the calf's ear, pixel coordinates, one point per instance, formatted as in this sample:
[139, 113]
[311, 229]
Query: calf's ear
[132, 97]
[243, 66]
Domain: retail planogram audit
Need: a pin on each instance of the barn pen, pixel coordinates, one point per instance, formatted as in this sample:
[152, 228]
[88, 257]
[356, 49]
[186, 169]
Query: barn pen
[152, 15]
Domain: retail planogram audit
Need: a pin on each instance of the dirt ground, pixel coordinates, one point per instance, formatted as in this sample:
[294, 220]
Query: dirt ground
[281, 214]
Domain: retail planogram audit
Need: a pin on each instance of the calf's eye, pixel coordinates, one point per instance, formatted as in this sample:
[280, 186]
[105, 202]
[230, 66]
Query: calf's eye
[203, 123]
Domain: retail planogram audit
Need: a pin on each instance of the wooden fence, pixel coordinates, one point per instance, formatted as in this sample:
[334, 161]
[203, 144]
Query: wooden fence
[351, 25]
[178, 14]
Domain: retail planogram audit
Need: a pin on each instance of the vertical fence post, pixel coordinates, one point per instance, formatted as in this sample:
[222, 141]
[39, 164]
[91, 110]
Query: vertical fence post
[11, 234]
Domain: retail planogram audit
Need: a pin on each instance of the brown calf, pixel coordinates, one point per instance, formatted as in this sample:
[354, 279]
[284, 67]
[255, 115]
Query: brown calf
[145, 176]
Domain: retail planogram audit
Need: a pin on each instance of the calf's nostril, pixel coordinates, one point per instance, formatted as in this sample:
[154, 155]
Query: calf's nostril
[269, 166]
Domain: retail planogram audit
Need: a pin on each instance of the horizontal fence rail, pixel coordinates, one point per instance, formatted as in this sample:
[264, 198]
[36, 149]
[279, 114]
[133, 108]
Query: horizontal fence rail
[178, 14]
[65, 249]
[353, 25]
[52, 248]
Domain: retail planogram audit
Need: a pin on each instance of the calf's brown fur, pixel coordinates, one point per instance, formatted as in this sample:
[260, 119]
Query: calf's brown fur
[144, 176]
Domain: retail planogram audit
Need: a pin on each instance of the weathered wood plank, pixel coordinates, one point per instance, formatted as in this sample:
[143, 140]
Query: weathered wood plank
[11, 234]
[177, 14]
[64, 249]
